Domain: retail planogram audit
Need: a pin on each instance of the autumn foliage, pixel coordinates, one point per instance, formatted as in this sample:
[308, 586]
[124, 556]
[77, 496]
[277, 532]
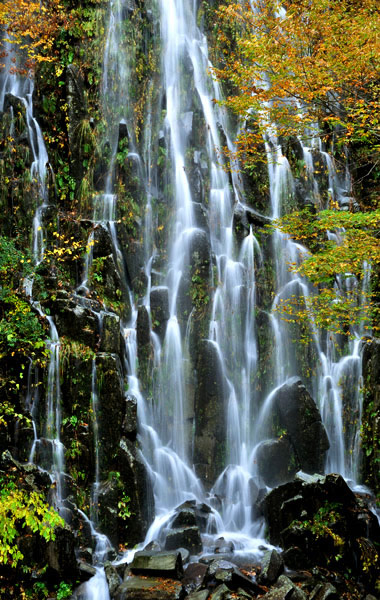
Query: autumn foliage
[312, 68]
[32, 28]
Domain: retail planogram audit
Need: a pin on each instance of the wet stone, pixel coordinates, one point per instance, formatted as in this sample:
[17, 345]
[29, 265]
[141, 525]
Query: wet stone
[102, 242]
[218, 566]
[86, 571]
[221, 593]
[272, 567]
[186, 537]
[110, 336]
[137, 588]
[163, 564]
[130, 419]
[224, 547]
[324, 592]
[228, 572]
[185, 518]
[185, 555]
[159, 306]
[153, 546]
[199, 595]
[276, 461]
[194, 576]
[112, 576]
[284, 583]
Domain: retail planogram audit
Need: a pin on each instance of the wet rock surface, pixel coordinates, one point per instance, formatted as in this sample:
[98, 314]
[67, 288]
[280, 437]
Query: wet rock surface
[209, 443]
[186, 537]
[319, 521]
[161, 563]
[297, 415]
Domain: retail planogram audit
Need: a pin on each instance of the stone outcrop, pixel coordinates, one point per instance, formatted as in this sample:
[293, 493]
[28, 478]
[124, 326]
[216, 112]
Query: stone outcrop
[296, 413]
[209, 439]
[318, 520]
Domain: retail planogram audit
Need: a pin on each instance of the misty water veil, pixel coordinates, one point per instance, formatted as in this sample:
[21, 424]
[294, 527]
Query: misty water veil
[216, 374]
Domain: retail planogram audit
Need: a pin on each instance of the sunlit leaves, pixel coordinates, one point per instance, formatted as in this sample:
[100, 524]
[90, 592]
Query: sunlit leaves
[343, 245]
[309, 70]
[19, 510]
[32, 27]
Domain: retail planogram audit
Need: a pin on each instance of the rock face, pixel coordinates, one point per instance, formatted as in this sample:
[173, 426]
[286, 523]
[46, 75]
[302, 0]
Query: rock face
[297, 414]
[319, 521]
[139, 489]
[184, 537]
[209, 436]
[371, 415]
[276, 461]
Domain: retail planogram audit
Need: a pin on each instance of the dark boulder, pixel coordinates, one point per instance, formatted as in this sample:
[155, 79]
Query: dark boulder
[324, 591]
[159, 306]
[272, 567]
[276, 461]
[86, 571]
[110, 334]
[143, 329]
[184, 518]
[209, 439]
[102, 241]
[296, 413]
[370, 471]
[112, 283]
[129, 426]
[111, 401]
[139, 488]
[144, 346]
[75, 321]
[318, 521]
[225, 572]
[61, 554]
[185, 537]
[194, 576]
[158, 564]
[245, 217]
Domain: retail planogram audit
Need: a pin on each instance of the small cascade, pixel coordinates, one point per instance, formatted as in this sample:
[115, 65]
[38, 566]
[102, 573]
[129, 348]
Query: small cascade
[337, 372]
[47, 450]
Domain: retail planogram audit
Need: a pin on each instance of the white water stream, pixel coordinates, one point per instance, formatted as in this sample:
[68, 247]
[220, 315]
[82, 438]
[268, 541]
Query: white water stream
[164, 432]
[47, 449]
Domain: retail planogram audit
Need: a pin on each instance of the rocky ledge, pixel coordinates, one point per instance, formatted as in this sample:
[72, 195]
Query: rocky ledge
[324, 538]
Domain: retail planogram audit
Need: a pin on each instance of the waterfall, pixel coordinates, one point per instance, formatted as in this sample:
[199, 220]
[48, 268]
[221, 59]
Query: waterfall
[210, 277]
[166, 438]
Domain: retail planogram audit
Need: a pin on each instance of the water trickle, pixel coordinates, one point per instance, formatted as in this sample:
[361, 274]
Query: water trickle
[47, 449]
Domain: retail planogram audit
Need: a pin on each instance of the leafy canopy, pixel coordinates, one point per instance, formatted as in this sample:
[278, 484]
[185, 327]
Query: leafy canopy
[308, 67]
[32, 27]
[20, 509]
[337, 306]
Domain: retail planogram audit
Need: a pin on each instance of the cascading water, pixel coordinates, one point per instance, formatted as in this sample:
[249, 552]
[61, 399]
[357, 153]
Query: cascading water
[164, 433]
[47, 450]
[168, 431]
